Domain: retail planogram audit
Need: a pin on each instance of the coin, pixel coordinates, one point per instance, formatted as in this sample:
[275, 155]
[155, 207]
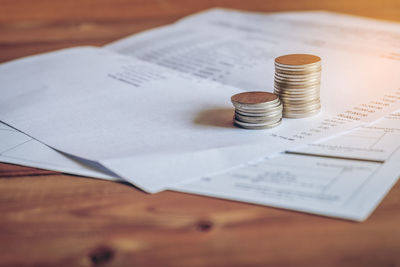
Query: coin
[301, 115]
[298, 98]
[297, 82]
[251, 98]
[256, 119]
[264, 106]
[303, 108]
[259, 114]
[297, 60]
[297, 76]
[297, 93]
[296, 85]
[257, 110]
[301, 103]
[253, 126]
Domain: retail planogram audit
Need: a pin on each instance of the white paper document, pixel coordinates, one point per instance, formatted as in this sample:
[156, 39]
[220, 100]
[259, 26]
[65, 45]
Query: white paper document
[348, 182]
[151, 125]
[238, 48]
[18, 148]
[160, 114]
[346, 176]
[333, 187]
[373, 142]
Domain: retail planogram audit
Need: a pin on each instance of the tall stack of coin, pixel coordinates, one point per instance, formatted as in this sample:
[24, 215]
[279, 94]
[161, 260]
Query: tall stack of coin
[297, 83]
[257, 110]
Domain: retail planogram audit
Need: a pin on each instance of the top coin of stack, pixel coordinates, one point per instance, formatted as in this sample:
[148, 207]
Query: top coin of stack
[257, 110]
[297, 83]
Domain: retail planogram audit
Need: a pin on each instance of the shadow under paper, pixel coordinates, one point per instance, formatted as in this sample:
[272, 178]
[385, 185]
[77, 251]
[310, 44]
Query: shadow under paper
[217, 117]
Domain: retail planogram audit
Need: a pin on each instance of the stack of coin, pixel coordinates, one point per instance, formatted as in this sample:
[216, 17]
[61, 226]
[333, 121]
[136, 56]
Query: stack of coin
[297, 83]
[257, 110]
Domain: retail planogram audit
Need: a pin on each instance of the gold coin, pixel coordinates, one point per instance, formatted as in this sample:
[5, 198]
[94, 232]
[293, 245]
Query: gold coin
[297, 59]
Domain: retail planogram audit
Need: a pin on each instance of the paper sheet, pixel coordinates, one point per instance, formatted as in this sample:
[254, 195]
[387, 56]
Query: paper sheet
[18, 148]
[150, 123]
[345, 188]
[374, 142]
[348, 181]
[238, 48]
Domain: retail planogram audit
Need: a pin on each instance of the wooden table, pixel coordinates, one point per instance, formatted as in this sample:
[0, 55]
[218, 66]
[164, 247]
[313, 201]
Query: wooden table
[52, 219]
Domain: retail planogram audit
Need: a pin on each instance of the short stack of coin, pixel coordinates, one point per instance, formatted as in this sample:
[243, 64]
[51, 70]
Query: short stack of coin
[257, 110]
[297, 83]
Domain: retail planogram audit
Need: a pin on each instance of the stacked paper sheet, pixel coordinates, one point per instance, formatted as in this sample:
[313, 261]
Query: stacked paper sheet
[157, 114]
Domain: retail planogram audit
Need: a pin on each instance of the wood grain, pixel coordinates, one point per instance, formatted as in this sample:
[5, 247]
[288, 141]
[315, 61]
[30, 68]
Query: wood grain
[51, 219]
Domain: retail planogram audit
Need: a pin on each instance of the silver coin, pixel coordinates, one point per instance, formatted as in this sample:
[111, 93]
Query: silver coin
[301, 109]
[251, 126]
[298, 76]
[299, 101]
[297, 97]
[251, 119]
[255, 99]
[263, 114]
[258, 106]
[294, 85]
[281, 85]
[297, 80]
[267, 109]
[268, 113]
[296, 92]
[306, 66]
[296, 73]
[301, 115]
